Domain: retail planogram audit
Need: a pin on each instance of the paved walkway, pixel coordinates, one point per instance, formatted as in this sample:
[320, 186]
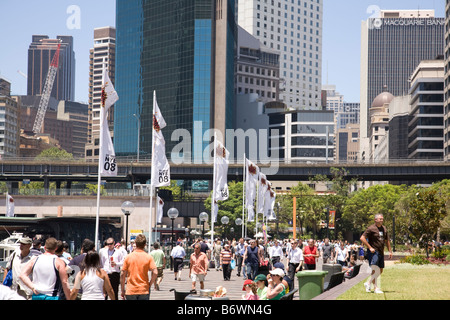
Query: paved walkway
[234, 286]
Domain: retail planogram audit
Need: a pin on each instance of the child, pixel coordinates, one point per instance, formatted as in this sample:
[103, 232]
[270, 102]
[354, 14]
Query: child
[250, 289]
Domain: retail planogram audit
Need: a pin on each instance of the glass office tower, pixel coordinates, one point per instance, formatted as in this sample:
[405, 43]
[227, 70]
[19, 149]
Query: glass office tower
[184, 50]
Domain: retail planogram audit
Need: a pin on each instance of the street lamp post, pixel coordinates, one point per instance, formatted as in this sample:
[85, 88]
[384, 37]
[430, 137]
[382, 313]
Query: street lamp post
[172, 213]
[224, 221]
[127, 208]
[138, 135]
[238, 222]
[203, 218]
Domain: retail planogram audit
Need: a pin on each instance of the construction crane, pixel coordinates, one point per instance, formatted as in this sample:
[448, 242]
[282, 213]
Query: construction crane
[48, 86]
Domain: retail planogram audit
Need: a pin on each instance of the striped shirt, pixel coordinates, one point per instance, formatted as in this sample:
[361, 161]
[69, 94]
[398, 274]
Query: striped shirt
[225, 256]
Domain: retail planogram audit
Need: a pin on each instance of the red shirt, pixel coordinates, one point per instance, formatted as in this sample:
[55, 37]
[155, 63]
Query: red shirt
[308, 250]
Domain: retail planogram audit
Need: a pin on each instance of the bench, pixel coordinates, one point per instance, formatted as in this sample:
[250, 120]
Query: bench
[355, 271]
[289, 296]
[336, 279]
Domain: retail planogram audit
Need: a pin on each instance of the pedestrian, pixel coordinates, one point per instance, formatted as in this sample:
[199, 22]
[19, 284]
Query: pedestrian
[261, 290]
[374, 238]
[93, 280]
[216, 250]
[275, 252]
[294, 261]
[275, 289]
[36, 248]
[111, 260]
[178, 253]
[66, 253]
[240, 250]
[327, 251]
[250, 291]
[160, 261]
[86, 246]
[135, 272]
[198, 267]
[47, 272]
[252, 260]
[310, 254]
[16, 262]
[341, 255]
[225, 260]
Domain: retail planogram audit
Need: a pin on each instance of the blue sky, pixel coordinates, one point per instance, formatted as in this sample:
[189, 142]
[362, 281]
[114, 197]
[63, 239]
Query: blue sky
[23, 18]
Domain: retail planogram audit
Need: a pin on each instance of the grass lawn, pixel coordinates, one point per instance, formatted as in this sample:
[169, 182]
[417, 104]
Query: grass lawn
[406, 282]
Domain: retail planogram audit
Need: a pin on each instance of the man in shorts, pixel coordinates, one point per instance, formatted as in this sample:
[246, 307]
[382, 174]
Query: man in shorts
[198, 267]
[374, 238]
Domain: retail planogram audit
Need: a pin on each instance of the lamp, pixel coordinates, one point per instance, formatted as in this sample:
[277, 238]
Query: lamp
[127, 208]
[172, 213]
[203, 218]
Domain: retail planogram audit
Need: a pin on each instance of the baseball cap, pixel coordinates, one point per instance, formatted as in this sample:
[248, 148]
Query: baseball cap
[279, 265]
[246, 283]
[260, 277]
[277, 272]
[26, 241]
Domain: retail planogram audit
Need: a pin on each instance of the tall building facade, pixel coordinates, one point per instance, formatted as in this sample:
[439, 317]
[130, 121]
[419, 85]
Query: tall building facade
[391, 48]
[102, 55]
[303, 135]
[294, 28]
[9, 121]
[257, 68]
[426, 125]
[447, 83]
[40, 55]
[185, 52]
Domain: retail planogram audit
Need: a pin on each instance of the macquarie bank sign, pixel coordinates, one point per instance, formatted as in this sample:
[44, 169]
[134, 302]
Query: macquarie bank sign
[378, 23]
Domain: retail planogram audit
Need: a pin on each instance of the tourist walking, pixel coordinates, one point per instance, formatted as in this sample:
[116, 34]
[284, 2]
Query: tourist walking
[16, 262]
[93, 280]
[216, 250]
[135, 272]
[252, 260]
[275, 252]
[178, 255]
[327, 251]
[111, 260]
[48, 272]
[374, 238]
[225, 261]
[294, 261]
[198, 267]
[239, 253]
[310, 254]
[160, 261]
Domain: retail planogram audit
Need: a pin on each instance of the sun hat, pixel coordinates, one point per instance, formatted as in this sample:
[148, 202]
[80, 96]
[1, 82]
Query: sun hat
[277, 272]
[25, 241]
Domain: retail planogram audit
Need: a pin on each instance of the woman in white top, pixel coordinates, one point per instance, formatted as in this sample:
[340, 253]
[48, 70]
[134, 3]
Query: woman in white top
[92, 280]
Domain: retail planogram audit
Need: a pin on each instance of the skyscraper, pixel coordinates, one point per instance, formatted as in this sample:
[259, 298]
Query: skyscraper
[102, 55]
[40, 54]
[294, 28]
[391, 48]
[447, 83]
[184, 50]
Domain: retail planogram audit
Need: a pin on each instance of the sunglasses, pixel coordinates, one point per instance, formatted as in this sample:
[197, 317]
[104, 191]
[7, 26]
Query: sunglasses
[110, 244]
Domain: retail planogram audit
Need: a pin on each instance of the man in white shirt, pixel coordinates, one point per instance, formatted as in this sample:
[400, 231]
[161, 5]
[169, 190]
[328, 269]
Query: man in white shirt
[16, 262]
[276, 252]
[111, 260]
[294, 260]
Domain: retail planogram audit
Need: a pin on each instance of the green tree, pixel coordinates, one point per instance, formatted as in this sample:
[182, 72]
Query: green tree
[54, 153]
[427, 210]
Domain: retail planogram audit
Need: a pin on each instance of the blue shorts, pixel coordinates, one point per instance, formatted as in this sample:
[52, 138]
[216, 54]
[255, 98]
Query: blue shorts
[43, 297]
[376, 259]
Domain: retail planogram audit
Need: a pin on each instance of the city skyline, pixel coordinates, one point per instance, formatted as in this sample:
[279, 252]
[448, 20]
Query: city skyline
[341, 37]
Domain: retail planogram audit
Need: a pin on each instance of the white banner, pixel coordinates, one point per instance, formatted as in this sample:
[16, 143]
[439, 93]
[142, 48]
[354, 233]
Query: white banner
[160, 165]
[221, 170]
[251, 180]
[269, 203]
[262, 188]
[159, 211]
[9, 206]
[107, 155]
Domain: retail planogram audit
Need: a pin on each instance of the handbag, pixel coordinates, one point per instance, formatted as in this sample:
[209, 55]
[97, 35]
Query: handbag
[233, 264]
[9, 276]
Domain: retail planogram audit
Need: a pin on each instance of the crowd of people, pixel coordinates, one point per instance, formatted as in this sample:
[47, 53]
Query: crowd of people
[267, 268]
